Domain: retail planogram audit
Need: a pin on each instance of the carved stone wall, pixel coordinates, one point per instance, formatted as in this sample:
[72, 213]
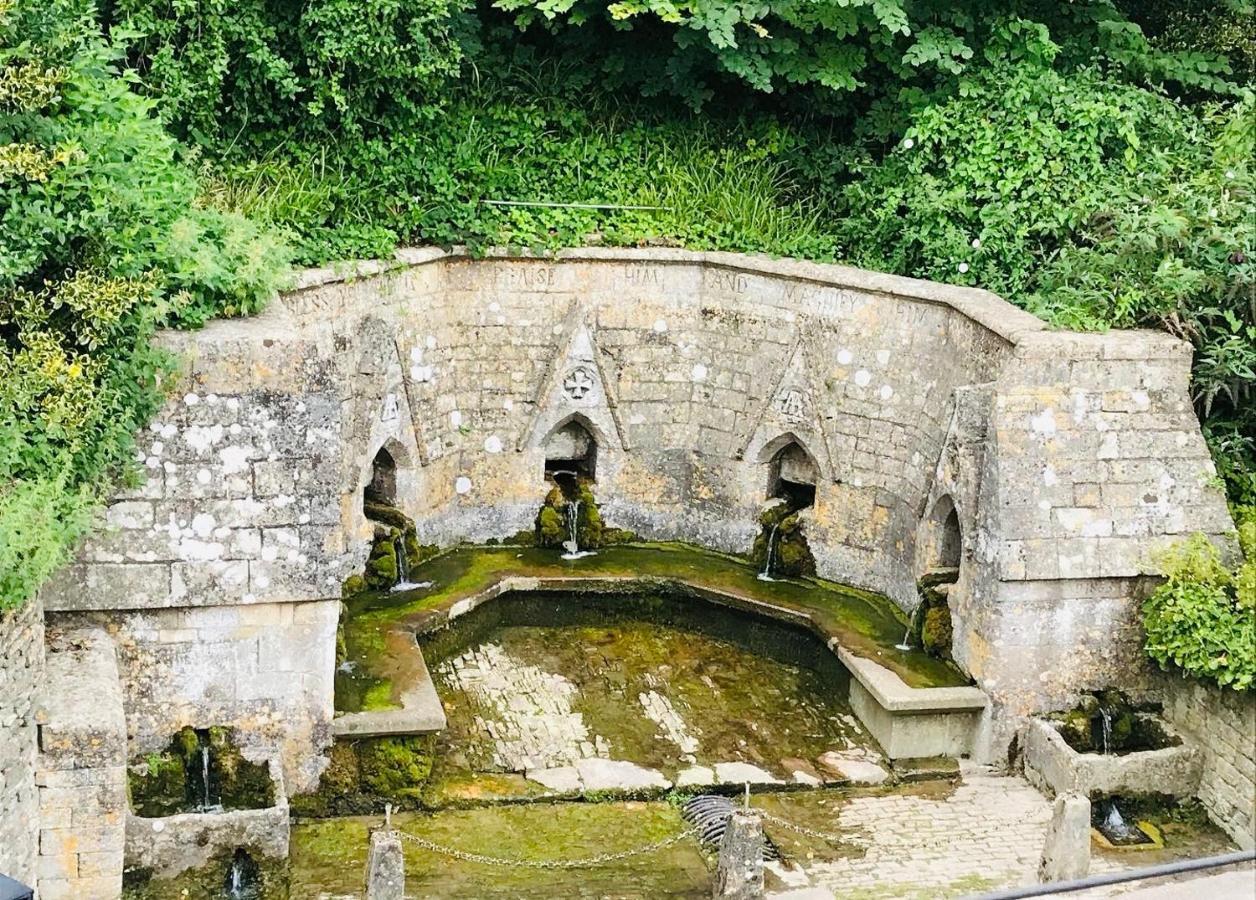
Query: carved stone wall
[1068, 458]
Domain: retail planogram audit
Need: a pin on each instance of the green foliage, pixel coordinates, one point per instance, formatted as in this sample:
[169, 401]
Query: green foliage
[889, 51]
[101, 242]
[1202, 619]
[229, 71]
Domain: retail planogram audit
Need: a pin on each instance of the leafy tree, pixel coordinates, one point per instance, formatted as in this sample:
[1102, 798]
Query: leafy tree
[236, 71]
[101, 241]
[890, 49]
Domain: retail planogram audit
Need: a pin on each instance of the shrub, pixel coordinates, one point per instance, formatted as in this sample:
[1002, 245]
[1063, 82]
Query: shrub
[101, 242]
[1202, 619]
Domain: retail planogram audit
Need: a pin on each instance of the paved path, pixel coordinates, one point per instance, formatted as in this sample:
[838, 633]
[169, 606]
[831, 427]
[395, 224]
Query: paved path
[989, 833]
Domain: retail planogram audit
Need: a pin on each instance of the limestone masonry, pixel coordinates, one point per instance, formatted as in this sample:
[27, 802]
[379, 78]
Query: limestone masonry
[1066, 458]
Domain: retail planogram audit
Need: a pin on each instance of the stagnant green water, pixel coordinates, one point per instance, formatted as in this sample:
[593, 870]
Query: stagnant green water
[865, 623]
[538, 681]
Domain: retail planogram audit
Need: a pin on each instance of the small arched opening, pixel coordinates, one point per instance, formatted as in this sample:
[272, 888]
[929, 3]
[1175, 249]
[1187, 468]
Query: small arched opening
[944, 540]
[792, 476]
[382, 488]
[571, 452]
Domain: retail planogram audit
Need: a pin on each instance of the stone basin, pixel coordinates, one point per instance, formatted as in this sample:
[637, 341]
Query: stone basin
[1054, 767]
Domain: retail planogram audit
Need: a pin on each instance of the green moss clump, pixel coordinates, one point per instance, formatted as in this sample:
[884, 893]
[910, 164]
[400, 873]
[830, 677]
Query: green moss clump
[791, 554]
[382, 569]
[612, 536]
[550, 529]
[935, 635]
[363, 775]
[525, 538]
[171, 782]
[352, 586]
[588, 519]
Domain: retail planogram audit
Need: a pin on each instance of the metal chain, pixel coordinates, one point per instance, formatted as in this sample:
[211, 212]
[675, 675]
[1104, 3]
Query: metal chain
[587, 862]
[809, 832]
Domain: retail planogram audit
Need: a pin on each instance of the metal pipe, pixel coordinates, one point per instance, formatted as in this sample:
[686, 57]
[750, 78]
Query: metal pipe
[1159, 871]
[570, 205]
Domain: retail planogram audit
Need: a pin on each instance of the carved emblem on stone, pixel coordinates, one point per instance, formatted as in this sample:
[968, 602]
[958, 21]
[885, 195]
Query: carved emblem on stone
[389, 410]
[792, 404]
[578, 383]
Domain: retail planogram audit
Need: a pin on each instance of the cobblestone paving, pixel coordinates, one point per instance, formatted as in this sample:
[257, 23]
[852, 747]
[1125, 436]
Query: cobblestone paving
[989, 833]
[533, 726]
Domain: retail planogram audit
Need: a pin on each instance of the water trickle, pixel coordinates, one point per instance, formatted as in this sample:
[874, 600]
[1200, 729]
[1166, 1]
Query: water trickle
[205, 804]
[766, 574]
[1105, 716]
[572, 544]
[905, 644]
[243, 879]
[1117, 830]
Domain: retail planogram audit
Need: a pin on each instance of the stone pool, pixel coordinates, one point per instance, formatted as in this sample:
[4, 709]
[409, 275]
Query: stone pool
[637, 691]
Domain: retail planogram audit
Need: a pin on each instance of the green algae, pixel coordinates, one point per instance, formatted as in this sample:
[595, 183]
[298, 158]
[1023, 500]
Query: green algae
[781, 532]
[365, 774]
[329, 857]
[173, 781]
[746, 689]
[865, 623]
[269, 876]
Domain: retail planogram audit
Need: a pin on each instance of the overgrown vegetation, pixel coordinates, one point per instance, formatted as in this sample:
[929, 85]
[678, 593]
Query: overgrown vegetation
[1092, 161]
[101, 241]
[1202, 619]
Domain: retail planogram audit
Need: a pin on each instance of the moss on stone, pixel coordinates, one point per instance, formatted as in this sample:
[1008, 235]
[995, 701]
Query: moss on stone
[270, 879]
[785, 530]
[171, 782]
[935, 635]
[613, 536]
[362, 775]
[352, 586]
[550, 530]
[382, 569]
[588, 519]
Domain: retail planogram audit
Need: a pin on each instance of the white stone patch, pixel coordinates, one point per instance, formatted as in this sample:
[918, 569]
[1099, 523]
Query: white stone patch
[743, 773]
[564, 779]
[695, 776]
[234, 429]
[492, 444]
[202, 476]
[203, 525]
[157, 448]
[233, 404]
[699, 372]
[508, 404]
[660, 325]
[431, 342]
[191, 399]
[202, 437]
[863, 378]
[886, 392]
[1049, 478]
[853, 769]
[1043, 423]
[844, 357]
[883, 357]
[659, 710]
[421, 373]
[234, 459]
[462, 484]
[617, 774]
[455, 418]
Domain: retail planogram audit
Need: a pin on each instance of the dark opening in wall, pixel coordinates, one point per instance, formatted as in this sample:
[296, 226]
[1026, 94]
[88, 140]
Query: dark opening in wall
[571, 453]
[383, 484]
[952, 543]
[792, 476]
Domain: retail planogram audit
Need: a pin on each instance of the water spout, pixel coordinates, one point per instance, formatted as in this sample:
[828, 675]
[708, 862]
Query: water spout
[906, 642]
[1105, 717]
[572, 544]
[205, 804]
[1117, 830]
[766, 574]
[403, 569]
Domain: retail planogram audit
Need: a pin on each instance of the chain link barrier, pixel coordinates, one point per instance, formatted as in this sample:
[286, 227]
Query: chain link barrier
[588, 862]
[809, 832]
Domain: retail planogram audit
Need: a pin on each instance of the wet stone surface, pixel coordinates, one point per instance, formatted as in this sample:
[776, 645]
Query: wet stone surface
[599, 699]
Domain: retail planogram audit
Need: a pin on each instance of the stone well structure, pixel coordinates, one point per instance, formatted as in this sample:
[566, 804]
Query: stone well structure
[940, 426]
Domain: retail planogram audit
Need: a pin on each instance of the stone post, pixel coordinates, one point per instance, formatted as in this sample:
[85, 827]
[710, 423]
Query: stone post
[739, 870]
[385, 867]
[1066, 854]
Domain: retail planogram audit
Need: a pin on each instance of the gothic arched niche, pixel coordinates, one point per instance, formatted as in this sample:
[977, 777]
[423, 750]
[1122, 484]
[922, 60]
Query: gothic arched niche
[792, 475]
[571, 450]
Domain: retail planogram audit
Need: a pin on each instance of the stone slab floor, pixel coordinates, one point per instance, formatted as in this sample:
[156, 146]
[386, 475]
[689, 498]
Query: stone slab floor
[986, 834]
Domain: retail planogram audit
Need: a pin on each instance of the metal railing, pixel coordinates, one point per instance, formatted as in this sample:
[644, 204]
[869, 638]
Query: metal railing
[1091, 881]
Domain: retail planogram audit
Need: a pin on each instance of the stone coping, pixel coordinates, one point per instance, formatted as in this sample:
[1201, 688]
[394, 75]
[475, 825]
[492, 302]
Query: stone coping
[987, 309]
[421, 708]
